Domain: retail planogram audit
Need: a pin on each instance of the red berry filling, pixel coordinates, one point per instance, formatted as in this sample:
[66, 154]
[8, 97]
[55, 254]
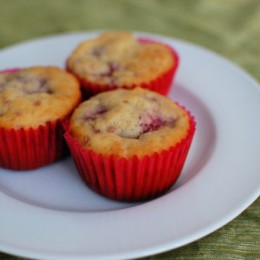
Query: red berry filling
[112, 67]
[109, 73]
[150, 122]
[33, 85]
[95, 114]
[152, 126]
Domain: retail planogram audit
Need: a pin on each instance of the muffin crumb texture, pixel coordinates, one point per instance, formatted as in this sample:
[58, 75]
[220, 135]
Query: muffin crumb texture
[129, 122]
[33, 96]
[118, 58]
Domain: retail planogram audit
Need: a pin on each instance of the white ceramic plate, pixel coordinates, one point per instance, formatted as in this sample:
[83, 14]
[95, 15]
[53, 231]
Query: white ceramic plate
[50, 214]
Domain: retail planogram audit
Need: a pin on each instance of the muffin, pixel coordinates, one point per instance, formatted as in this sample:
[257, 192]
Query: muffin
[119, 60]
[130, 145]
[33, 103]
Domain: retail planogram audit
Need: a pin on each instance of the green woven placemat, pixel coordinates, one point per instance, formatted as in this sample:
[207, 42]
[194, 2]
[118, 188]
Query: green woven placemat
[229, 27]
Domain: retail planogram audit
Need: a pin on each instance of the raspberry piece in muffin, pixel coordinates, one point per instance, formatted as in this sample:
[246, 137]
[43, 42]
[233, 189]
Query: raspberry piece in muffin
[118, 59]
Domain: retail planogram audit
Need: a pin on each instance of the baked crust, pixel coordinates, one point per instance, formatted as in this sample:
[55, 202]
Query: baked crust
[32, 96]
[119, 59]
[129, 122]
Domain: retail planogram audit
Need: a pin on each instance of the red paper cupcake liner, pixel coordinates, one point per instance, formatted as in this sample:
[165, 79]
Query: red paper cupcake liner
[135, 179]
[27, 149]
[160, 85]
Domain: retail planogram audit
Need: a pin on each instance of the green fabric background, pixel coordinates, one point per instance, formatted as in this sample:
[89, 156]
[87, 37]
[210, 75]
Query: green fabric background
[229, 27]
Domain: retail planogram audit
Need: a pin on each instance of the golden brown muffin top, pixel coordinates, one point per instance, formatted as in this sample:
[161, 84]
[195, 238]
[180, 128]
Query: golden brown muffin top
[129, 122]
[118, 58]
[32, 96]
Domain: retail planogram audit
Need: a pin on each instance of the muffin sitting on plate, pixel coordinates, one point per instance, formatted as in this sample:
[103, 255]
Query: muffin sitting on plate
[119, 60]
[33, 103]
[130, 145]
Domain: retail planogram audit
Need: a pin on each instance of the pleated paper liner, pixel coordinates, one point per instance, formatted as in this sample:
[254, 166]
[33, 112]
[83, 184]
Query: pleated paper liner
[135, 179]
[161, 84]
[28, 149]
